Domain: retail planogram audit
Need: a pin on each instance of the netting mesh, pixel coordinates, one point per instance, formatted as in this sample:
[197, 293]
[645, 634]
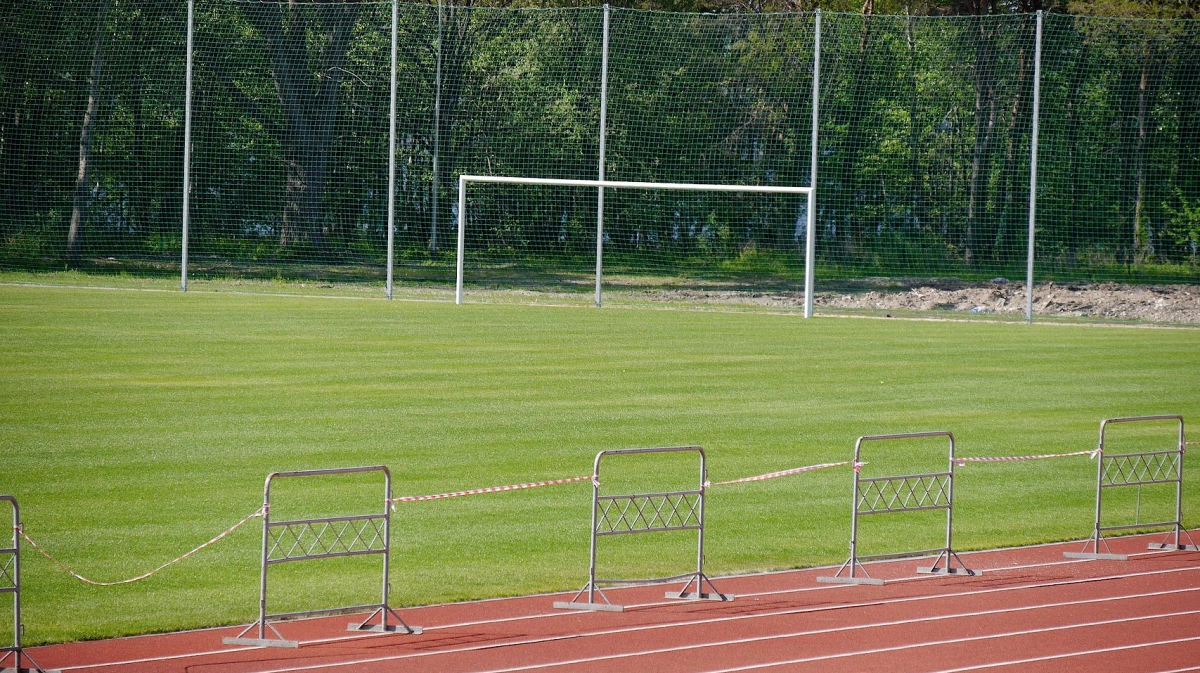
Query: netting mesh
[1119, 180]
[925, 143]
[521, 97]
[290, 136]
[91, 128]
[924, 136]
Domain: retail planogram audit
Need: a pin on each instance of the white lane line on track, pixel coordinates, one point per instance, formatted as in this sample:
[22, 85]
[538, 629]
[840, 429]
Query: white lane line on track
[564, 613]
[955, 641]
[666, 625]
[826, 632]
[1103, 650]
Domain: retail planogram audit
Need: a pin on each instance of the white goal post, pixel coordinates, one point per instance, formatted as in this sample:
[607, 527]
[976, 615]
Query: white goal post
[810, 235]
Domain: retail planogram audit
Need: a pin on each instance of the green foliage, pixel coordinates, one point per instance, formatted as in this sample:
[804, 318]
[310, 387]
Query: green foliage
[925, 135]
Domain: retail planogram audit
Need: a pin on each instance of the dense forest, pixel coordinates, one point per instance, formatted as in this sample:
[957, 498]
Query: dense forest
[926, 124]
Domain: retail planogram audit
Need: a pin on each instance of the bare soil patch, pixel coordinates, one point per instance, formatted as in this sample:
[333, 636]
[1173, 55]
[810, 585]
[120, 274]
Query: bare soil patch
[1108, 301]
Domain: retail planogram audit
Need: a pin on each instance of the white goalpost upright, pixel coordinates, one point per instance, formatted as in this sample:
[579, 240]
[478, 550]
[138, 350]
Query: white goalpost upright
[464, 180]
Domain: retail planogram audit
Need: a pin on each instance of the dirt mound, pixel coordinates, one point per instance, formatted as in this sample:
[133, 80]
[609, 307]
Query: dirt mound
[1152, 303]
[1111, 301]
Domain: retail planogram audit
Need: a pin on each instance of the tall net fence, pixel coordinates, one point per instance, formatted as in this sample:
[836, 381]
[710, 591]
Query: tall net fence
[925, 144]
[1119, 182]
[290, 117]
[91, 134]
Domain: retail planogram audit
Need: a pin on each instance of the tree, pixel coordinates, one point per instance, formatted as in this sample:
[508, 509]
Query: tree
[307, 47]
[85, 139]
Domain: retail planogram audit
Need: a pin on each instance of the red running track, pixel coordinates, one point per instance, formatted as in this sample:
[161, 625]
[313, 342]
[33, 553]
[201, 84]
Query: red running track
[1030, 610]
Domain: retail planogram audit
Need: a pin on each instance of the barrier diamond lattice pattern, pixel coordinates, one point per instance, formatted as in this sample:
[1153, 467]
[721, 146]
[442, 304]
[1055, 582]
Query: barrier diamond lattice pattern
[896, 494]
[8, 573]
[637, 513]
[1139, 468]
[314, 539]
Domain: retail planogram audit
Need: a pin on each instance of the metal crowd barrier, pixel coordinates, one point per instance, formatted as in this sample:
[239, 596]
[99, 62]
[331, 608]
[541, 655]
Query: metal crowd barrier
[318, 538]
[10, 583]
[1119, 470]
[630, 513]
[907, 493]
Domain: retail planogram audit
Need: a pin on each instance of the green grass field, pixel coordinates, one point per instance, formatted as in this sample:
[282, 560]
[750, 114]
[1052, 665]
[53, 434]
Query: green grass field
[135, 425]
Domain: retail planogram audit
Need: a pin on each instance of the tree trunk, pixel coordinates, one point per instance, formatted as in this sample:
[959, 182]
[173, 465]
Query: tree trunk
[308, 86]
[1141, 237]
[985, 124]
[1188, 148]
[457, 42]
[1074, 162]
[74, 233]
[914, 134]
[855, 231]
[1010, 186]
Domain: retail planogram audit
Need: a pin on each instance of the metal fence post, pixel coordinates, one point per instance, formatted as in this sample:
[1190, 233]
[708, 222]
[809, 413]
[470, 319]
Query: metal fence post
[1033, 158]
[603, 130]
[391, 216]
[810, 243]
[437, 135]
[187, 147]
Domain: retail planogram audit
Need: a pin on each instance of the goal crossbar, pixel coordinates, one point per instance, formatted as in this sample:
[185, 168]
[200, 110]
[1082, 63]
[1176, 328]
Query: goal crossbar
[621, 184]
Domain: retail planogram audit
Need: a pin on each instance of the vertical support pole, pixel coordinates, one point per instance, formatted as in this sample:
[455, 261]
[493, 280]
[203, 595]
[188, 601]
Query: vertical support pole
[700, 533]
[854, 511]
[1099, 487]
[187, 147]
[391, 216]
[387, 545]
[1033, 160]
[262, 588]
[16, 581]
[603, 133]
[462, 237]
[437, 138]
[950, 509]
[595, 507]
[810, 242]
[1179, 484]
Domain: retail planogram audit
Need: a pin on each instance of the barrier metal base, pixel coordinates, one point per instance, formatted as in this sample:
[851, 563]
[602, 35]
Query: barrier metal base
[261, 642]
[934, 570]
[1173, 547]
[8, 659]
[383, 626]
[380, 628]
[850, 580]
[693, 596]
[595, 607]
[1095, 557]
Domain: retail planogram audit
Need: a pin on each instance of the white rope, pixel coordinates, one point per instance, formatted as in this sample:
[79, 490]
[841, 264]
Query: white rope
[143, 576]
